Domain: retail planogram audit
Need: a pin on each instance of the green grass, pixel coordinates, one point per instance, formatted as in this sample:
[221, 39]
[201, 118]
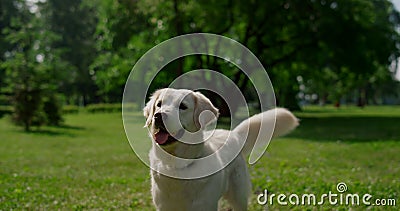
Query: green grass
[88, 164]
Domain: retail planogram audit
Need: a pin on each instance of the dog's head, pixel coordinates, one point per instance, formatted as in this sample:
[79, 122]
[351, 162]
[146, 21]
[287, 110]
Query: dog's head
[173, 113]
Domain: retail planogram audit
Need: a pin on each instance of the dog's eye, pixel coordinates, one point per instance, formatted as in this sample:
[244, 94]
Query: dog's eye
[182, 106]
[159, 104]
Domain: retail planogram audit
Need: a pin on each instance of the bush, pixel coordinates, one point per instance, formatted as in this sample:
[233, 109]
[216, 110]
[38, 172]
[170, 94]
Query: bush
[130, 107]
[53, 110]
[98, 108]
[108, 108]
[35, 107]
[5, 110]
[104, 108]
[4, 99]
[70, 109]
[27, 107]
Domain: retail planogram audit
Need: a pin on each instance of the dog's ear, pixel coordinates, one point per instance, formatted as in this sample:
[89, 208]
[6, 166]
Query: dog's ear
[202, 103]
[148, 110]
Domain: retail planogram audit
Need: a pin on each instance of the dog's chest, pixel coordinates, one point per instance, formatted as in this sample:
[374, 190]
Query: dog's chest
[170, 192]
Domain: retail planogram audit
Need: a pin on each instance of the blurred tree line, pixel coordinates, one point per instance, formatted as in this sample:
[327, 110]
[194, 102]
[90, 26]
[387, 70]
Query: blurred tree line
[56, 52]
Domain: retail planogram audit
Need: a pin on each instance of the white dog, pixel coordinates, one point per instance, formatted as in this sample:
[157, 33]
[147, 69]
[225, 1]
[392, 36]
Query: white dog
[176, 119]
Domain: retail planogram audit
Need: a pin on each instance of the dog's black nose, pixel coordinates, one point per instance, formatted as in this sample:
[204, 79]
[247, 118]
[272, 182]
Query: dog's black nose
[160, 115]
[159, 118]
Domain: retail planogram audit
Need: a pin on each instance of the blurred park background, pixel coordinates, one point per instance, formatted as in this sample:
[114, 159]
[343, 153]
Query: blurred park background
[76, 53]
[64, 64]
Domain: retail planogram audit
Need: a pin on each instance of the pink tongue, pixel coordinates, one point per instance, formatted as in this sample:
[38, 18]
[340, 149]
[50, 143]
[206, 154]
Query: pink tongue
[161, 137]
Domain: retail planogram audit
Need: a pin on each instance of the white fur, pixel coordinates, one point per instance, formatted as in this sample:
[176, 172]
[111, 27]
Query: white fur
[233, 181]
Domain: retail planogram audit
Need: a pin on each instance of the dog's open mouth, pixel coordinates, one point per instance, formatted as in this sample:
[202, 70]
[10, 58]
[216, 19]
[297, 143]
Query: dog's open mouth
[162, 137]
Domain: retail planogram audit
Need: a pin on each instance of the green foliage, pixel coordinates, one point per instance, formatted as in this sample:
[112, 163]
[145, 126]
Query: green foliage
[75, 23]
[5, 110]
[70, 109]
[98, 108]
[27, 108]
[338, 47]
[30, 69]
[53, 110]
[103, 108]
[7, 10]
[123, 35]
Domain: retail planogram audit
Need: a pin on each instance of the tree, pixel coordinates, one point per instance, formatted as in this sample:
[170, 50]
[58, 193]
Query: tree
[7, 10]
[364, 44]
[124, 32]
[30, 68]
[75, 23]
[337, 43]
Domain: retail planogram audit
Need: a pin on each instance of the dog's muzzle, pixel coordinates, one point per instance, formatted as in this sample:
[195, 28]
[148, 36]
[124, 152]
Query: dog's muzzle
[162, 136]
[159, 119]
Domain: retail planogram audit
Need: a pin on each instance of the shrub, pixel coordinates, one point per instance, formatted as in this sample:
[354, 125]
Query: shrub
[27, 105]
[53, 110]
[130, 107]
[5, 110]
[108, 108]
[70, 109]
[103, 108]
[98, 108]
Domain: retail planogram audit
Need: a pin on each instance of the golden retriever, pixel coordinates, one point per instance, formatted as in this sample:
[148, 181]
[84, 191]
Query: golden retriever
[177, 120]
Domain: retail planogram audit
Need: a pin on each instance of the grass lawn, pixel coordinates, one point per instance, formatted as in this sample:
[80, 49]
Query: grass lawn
[88, 164]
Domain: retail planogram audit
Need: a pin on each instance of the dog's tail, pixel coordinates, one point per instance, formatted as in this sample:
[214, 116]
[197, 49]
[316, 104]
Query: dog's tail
[263, 127]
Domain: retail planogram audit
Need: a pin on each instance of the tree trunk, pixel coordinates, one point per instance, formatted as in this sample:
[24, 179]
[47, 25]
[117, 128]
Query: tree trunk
[27, 126]
[179, 31]
[361, 97]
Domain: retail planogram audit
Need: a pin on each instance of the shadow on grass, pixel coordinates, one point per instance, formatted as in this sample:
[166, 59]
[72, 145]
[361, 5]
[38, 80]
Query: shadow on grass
[62, 130]
[348, 129]
[70, 127]
[322, 125]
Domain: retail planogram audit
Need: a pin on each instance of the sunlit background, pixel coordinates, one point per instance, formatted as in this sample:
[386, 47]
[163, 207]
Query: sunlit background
[64, 65]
